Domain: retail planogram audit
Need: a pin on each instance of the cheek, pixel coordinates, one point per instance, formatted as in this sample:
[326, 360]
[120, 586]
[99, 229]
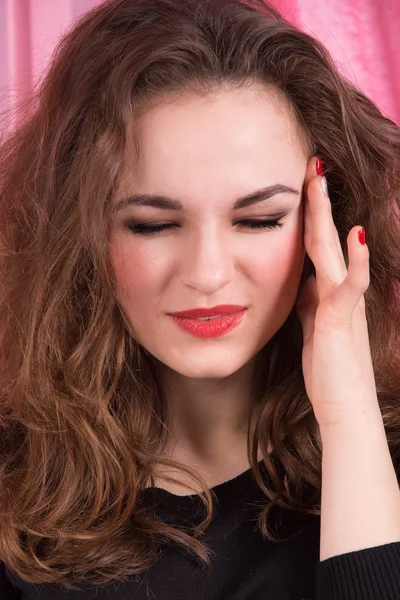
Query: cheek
[138, 276]
[278, 265]
[275, 278]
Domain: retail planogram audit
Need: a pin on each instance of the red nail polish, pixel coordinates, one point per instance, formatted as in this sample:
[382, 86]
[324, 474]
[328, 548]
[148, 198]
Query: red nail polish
[361, 236]
[320, 166]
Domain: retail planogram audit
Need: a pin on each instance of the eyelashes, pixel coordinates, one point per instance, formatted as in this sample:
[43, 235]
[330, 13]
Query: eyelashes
[152, 228]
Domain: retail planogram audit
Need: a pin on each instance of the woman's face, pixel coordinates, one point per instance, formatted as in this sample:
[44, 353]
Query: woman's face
[205, 154]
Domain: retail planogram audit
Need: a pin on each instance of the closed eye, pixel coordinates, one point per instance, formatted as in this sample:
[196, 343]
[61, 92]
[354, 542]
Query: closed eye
[149, 228]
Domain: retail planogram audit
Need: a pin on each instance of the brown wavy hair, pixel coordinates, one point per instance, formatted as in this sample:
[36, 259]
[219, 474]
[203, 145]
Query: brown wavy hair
[83, 418]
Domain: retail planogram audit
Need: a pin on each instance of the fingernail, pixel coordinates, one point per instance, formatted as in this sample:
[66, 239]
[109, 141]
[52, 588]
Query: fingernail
[319, 166]
[361, 236]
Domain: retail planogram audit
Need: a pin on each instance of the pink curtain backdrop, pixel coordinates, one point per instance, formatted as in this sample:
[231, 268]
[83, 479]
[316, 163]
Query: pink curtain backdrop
[362, 36]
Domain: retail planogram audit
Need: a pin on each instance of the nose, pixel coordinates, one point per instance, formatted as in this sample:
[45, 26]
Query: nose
[208, 261]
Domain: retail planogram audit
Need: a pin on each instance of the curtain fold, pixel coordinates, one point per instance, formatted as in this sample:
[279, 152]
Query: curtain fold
[361, 35]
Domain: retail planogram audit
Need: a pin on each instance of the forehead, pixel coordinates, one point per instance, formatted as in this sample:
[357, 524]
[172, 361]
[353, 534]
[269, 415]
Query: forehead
[222, 144]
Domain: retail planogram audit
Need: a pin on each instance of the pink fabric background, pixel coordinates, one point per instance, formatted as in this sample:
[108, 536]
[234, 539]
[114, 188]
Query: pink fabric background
[362, 36]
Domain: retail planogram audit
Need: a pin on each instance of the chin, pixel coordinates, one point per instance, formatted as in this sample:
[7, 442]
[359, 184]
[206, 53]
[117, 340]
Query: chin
[213, 368]
[207, 373]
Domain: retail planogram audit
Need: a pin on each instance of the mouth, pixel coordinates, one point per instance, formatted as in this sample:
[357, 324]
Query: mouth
[215, 312]
[206, 327]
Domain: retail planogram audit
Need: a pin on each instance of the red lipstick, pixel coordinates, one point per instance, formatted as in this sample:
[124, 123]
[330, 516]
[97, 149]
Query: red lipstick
[221, 309]
[226, 317]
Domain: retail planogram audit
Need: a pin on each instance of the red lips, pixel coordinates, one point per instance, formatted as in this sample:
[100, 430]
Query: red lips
[222, 309]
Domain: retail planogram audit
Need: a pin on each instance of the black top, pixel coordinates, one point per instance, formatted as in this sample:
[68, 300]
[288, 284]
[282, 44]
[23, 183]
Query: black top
[246, 566]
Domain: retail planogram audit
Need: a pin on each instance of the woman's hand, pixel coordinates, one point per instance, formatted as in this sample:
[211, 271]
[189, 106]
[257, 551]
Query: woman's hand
[336, 358]
[360, 498]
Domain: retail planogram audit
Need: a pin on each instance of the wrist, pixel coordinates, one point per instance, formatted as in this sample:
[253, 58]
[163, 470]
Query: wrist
[354, 422]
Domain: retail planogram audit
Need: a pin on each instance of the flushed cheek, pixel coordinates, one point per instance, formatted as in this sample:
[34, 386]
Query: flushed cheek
[276, 262]
[138, 281]
[275, 275]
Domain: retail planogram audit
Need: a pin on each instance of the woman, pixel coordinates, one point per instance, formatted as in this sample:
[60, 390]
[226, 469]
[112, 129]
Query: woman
[204, 157]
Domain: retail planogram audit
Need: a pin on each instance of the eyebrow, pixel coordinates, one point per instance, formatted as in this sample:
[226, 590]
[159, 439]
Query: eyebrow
[160, 201]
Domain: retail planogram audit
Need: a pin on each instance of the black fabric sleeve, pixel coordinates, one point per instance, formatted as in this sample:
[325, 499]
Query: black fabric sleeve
[370, 574]
[7, 590]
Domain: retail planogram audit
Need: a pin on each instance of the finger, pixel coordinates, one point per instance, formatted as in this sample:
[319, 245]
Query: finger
[349, 295]
[310, 173]
[330, 261]
[308, 231]
[324, 245]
